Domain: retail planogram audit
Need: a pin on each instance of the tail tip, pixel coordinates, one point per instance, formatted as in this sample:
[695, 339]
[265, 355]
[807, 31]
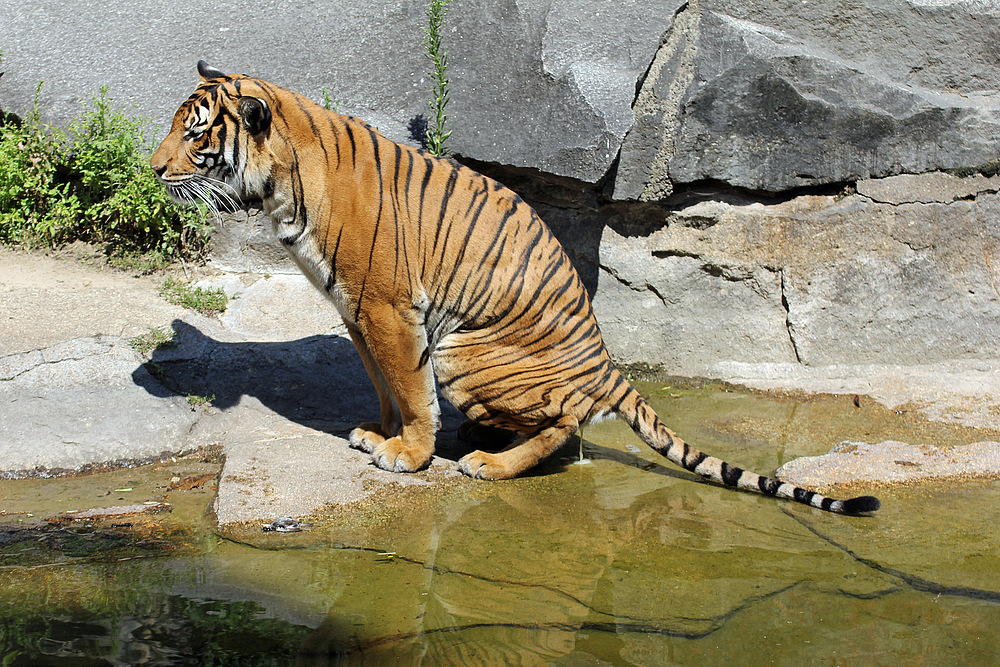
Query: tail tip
[860, 505]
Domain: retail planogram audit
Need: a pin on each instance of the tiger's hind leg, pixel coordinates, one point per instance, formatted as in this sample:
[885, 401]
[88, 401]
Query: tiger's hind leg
[522, 454]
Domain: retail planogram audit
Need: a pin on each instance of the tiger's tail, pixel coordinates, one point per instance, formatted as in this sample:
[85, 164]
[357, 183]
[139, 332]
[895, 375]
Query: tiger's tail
[634, 409]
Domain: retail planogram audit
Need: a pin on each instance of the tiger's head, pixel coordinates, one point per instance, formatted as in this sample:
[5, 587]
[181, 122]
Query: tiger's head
[217, 149]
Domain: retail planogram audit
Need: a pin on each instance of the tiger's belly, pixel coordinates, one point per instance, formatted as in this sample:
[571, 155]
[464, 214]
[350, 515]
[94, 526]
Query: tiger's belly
[516, 388]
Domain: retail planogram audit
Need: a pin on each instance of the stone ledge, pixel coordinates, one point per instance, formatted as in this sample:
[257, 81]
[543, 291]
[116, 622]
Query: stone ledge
[930, 188]
[285, 469]
[891, 462]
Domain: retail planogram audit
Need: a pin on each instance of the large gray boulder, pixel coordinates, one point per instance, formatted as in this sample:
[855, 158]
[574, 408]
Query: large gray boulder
[549, 84]
[774, 96]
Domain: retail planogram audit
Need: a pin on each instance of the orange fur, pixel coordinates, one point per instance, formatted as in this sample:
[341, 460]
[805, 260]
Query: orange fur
[436, 271]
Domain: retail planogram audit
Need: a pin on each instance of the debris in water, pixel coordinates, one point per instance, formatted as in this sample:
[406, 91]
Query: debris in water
[285, 525]
[192, 482]
[148, 506]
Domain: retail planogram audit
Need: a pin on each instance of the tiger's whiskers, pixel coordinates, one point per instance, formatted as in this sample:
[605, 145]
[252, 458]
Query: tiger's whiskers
[214, 193]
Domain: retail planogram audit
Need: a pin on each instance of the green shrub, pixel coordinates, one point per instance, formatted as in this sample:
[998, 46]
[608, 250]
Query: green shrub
[35, 208]
[125, 207]
[92, 184]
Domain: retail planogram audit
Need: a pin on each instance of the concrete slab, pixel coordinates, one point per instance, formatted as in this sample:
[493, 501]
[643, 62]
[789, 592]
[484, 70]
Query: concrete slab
[49, 299]
[85, 401]
[960, 392]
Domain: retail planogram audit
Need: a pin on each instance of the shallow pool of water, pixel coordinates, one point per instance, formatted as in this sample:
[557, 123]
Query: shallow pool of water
[623, 560]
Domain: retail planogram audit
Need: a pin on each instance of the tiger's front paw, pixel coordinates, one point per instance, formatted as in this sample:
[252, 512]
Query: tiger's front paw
[393, 455]
[482, 465]
[367, 437]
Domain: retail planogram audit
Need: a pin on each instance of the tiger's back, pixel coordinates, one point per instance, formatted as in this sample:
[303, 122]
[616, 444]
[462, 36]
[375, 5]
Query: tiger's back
[435, 270]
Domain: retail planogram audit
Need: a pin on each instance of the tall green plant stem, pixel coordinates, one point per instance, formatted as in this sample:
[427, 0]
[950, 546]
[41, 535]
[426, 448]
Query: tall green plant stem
[437, 135]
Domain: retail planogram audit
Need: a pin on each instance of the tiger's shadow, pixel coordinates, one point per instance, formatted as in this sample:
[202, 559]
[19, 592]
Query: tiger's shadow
[317, 381]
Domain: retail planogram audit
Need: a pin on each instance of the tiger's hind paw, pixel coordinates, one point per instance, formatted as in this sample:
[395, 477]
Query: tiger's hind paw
[482, 465]
[367, 437]
[393, 455]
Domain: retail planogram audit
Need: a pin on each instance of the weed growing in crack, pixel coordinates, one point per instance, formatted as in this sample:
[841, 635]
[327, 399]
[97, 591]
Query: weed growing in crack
[206, 301]
[437, 135]
[196, 401]
[154, 339]
[329, 103]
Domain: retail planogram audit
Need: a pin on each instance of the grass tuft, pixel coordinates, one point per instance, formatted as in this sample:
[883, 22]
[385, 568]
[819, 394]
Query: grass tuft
[207, 301]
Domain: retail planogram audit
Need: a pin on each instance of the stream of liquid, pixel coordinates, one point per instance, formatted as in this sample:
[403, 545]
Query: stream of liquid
[622, 560]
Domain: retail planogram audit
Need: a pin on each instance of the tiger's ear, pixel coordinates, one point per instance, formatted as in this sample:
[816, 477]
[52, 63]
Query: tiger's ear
[207, 72]
[255, 115]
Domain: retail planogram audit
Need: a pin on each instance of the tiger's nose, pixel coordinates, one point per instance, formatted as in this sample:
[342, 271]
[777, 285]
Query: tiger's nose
[159, 169]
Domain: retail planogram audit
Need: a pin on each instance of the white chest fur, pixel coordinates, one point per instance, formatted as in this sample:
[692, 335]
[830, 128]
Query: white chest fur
[315, 266]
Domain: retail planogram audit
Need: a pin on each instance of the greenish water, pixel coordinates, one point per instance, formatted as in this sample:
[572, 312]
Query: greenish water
[619, 561]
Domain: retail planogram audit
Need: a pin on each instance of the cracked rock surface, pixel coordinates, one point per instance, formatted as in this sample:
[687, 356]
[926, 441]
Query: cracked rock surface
[777, 194]
[278, 393]
[85, 401]
[903, 273]
[749, 190]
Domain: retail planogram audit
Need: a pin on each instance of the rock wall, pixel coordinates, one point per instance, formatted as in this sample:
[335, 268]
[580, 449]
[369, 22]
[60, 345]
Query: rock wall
[817, 280]
[737, 181]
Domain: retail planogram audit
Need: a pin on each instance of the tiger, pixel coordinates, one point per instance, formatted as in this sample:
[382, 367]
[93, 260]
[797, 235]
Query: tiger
[444, 278]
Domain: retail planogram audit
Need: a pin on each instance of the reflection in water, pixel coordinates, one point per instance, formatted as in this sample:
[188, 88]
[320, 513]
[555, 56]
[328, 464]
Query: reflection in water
[124, 615]
[622, 561]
